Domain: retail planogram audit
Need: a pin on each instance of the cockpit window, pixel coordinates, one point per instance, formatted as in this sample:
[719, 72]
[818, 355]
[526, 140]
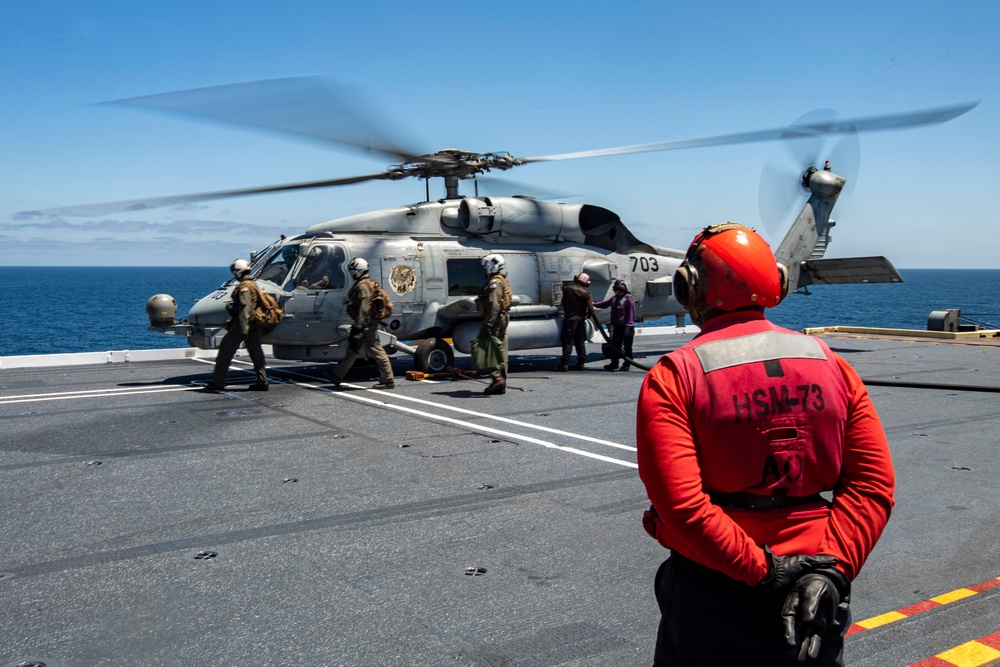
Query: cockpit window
[277, 267]
[323, 268]
[465, 277]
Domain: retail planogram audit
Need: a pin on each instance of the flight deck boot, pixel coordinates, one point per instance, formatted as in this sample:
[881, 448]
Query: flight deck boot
[499, 386]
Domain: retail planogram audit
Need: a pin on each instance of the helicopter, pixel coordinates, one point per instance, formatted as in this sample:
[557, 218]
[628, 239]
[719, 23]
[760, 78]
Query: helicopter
[427, 254]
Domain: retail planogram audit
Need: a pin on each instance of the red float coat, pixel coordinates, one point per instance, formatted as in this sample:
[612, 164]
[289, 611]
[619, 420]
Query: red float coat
[750, 407]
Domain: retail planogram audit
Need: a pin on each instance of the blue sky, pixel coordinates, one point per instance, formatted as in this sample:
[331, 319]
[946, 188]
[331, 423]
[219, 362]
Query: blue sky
[532, 78]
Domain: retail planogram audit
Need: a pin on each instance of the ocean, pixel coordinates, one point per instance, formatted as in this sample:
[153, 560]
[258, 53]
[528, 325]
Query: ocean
[49, 310]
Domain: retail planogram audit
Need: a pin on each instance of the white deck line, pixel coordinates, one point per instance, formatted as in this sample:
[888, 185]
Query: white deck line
[169, 354]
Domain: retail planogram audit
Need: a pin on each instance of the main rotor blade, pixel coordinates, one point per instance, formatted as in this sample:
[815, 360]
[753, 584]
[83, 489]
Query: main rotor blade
[868, 124]
[111, 208]
[504, 187]
[307, 106]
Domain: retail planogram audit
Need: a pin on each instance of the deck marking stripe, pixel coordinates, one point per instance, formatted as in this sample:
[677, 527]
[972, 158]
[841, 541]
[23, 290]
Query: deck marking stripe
[87, 391]
[506, 420]
[882, 619]
[89, 394]
[920, 607]
[474, 427]
[463, 424]
[957, 594]
[449, 420]
[933, 661]
[970, 654]
[986, 585]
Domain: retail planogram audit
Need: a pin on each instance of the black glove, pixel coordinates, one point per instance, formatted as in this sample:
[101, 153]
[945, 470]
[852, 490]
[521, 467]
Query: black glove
[784, 571]
[355, 339]
[650, 519]
[811, 609]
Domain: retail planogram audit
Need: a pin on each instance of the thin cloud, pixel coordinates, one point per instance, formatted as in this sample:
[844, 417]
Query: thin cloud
[117, 251]
[23, 223]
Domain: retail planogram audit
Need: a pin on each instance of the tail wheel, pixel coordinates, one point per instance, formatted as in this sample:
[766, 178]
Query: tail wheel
[433, 355]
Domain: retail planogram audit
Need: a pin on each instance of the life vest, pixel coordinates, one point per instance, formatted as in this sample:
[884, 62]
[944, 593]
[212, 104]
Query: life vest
[380, 305]
[483, 300]
[768, 407]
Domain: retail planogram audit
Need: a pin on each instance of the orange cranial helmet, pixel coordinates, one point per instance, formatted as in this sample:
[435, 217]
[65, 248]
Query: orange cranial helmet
[729, 266]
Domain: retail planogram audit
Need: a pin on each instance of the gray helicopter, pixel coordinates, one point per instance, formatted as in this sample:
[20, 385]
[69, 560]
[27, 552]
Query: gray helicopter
[427, 255]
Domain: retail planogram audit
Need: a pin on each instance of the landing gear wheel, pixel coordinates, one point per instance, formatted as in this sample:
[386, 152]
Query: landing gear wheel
[433, 355]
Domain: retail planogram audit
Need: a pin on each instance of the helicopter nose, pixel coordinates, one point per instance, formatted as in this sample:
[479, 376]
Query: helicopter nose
[209, 311]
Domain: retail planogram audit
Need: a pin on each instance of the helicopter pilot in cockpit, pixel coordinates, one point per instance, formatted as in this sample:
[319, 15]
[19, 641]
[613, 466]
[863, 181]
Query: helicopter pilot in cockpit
[320, 270]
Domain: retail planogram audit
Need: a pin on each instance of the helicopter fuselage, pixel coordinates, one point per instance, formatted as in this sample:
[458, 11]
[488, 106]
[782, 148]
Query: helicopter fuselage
[427, 257]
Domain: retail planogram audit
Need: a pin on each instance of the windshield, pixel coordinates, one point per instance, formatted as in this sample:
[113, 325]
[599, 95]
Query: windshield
[322, 269]
[276, 267]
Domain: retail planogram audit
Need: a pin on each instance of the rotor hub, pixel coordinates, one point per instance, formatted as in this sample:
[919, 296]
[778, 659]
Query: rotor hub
[453, 162]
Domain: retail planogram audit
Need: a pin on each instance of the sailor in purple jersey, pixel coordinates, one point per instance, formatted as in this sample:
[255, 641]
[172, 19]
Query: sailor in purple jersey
[622, 325]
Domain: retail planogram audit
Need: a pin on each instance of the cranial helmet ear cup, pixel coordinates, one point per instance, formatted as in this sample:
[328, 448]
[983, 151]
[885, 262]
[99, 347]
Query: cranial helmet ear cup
[783, 276]
[685, 281]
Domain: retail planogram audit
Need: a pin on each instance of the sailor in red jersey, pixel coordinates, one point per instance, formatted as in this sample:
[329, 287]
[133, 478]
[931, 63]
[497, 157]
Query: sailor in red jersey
[739, 432]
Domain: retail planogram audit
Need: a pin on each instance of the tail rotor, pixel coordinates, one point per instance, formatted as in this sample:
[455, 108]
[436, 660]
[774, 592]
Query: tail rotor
[804, 150]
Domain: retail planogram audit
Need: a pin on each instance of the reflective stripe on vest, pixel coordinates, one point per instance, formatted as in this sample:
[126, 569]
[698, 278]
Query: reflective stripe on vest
[761, 432]
[757, 347]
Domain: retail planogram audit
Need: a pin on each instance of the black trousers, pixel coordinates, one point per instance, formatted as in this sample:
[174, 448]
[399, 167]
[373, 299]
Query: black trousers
[621, 341]
[574, 335]
[709, 619]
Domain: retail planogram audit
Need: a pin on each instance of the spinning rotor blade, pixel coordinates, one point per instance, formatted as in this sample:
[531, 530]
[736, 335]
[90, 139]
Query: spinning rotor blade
[309, 106]
[503, 187]
[782, 190]
[868, 124]
[111, 208]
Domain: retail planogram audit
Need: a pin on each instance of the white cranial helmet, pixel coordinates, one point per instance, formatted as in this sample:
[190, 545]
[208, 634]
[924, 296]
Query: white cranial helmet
[494, 264]
[357, 267]
[239, 267]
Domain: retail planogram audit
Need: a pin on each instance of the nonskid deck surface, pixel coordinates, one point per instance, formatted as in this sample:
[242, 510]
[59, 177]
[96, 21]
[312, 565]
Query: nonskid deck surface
[148, 523]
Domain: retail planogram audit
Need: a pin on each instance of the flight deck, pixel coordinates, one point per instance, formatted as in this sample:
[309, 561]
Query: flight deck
[147, 522]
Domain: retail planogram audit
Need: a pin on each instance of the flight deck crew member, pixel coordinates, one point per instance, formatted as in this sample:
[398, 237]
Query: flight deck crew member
[578, 307]
[241, 329]
[622, 325]
[738, 433]
[493, 303]
[363, 336]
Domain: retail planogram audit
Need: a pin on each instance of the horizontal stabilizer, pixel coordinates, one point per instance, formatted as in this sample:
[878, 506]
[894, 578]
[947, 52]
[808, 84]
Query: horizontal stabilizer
[847, 270]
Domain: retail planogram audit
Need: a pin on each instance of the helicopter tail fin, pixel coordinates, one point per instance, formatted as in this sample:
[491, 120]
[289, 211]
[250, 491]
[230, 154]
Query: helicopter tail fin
[806, 242]
[847, 270]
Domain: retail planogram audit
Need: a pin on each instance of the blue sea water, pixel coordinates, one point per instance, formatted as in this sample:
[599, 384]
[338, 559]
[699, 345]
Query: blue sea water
[50, 310]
